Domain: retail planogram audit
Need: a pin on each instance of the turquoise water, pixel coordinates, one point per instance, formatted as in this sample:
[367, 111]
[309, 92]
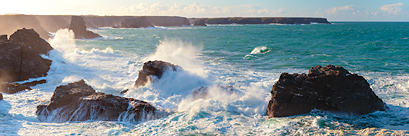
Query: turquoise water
[248, 57]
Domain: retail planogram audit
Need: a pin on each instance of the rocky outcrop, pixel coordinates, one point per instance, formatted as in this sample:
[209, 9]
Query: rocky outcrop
[200, 22]
[203, 92]
[1, 96]
[264, 20]
[153, 68]
[327, 88]
[136, 23]
[20, 56]
[79, 102]
[168, 20]
[31, 39]
[77, 25]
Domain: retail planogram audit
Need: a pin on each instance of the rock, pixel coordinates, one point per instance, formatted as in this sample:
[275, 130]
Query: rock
[203, 92]
[3, 38]
[136, 22]
[77, 25]
[31, 39]
[124, 91]
[20, 56]
[327, 88]
[1, 96]
[153, 68]
[12, 88]
[200, 22]
[79, 102]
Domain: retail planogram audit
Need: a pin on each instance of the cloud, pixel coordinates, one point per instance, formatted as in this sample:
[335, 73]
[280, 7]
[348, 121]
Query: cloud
[398, 8]
[347, 12]
[197, 10]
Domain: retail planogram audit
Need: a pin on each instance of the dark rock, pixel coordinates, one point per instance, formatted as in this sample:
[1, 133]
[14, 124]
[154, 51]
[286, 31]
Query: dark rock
[34, 83]
[31, 39]
[1, 96]
[20, 56]
[153, 68]
[77, 25]
[12, 88]
[79, 102]
[203, 92]
[200, 22]
[3, 38]
[327, 88]
[136, 23]
[124, 91]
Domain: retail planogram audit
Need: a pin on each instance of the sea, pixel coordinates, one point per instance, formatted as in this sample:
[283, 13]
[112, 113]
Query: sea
[249, 58]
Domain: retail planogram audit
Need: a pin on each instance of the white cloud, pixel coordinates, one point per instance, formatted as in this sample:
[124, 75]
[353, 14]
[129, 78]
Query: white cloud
[395, 9]
[197, 10]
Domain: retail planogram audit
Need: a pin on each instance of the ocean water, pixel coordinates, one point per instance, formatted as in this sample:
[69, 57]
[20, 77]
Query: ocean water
[248, 57]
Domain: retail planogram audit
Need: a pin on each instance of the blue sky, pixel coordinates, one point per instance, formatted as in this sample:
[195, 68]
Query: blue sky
[333, 10]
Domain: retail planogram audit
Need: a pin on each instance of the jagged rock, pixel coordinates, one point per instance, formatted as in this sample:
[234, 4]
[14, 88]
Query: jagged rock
[1, 96]
[30, 38]
[327, 88]
[20, 56]
[3, 38]
[203, 92]
[79, 102]
[200, 22]
[136, 23]
[77, 25]
[153, 68]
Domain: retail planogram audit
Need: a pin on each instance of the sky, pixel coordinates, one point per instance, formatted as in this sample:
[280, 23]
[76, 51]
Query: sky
[333, 10]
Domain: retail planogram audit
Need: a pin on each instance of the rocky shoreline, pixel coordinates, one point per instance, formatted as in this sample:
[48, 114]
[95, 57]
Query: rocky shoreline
[330, 88]
[43, 24]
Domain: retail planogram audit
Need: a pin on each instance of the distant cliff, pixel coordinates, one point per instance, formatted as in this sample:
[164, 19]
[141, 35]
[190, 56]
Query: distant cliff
[43, 24]
[260, 20]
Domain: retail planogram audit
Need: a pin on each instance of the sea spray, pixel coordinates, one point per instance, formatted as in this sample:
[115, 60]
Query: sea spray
[179, 53]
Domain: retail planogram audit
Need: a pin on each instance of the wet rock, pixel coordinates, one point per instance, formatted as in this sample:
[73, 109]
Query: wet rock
[79, 102]
[327, 88]
[12, 88]
[1, 96]
[136, 22]
[203, 92]
[20, 56]
[153, 68]
[77, 25]
[124, 91]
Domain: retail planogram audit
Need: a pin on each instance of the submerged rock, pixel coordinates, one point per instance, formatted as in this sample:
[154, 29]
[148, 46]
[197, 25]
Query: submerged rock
[153, 68]
[77, 25]
[79, 102]
[327, 88]
[203, 92]
[20, 56]
[136, 22]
